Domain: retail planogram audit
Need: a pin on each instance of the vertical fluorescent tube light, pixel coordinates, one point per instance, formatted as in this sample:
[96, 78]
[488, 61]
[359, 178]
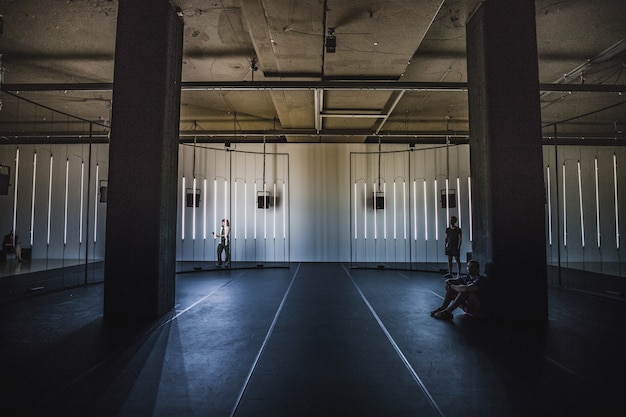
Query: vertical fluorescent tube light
[365, 210]
[355, 221]
[458, 200]
[226, 198]
[469, 200]
[265, 211]
[404, 207]
[204, 199]
[234, 223]
[254, 223]
[32, 204]
[616, 201]
[50, 199]
[385, 210]
[564, 210]
[436, 216]
[549, 206]
[82, 195]
[95, 206]
[182, 205]
[447, 202]
[425, 214]
[67, 173]
[193, 211]
[274, 230]
[580, 199]
[245, 210]
[17, 171]
[215, 206]
[414, 210]
[394, 210]
[597, 203]
[284, 211]
[375, 216]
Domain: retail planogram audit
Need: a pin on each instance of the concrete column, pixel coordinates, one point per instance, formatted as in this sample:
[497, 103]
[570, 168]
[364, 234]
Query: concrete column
[506, 158]
[140, 257]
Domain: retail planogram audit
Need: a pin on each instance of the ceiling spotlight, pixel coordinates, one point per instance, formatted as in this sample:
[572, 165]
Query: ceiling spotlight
[331, 41]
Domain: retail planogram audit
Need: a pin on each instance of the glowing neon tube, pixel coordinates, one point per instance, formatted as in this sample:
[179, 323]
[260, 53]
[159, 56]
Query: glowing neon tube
[597, 203]
[617, 236]
[580, 199]
[549, 206]
[32, 205]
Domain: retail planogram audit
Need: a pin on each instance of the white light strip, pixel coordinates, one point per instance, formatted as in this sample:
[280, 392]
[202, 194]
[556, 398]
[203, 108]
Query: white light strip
[395, 204]
[375, 216]
[32, 205]
[580, 200]
[385, 210]
[274, 225]
[355, 220]
[67, 176]
[193, 211]
[50, 198]
[234, 223]
[204, 200]
[255, 195]
[404, 207]
[215, 207]
[469, 200]
[436, 216]
[564, 209]
[265, 201]
[17, 172]
[597, 203]
[226, 198]
[284, 211]
[549, 206]
[245, 210]
[183, 205]
[447, 202]
[82, 195]
[95, 207]
[414, 210]
[617, 236]
[458, 200]
[365, 210]
[425, 214]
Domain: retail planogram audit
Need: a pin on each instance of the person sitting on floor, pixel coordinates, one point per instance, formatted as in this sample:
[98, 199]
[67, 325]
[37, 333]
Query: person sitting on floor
[461, 292]
[11, 244]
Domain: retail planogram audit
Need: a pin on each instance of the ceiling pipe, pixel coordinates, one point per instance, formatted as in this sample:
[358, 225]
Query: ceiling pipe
[312, 85]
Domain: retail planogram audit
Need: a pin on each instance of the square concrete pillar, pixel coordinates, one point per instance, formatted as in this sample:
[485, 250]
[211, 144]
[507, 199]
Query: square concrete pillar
[140, 257]
[506, 158]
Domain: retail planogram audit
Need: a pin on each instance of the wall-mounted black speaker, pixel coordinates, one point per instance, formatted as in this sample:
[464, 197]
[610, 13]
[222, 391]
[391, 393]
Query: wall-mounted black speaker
[379, 200]
[4, 184]
[192, 199]
[263, 199]
[450, 201]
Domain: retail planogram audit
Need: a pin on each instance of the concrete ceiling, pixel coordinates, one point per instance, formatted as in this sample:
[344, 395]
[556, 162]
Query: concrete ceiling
[276, 79]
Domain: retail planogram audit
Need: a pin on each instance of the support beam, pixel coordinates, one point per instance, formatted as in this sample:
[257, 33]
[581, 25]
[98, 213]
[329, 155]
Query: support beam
[506, 158]
[140, 254]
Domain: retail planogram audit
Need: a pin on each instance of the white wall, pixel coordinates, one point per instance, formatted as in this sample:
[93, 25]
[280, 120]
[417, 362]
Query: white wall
[317, 201]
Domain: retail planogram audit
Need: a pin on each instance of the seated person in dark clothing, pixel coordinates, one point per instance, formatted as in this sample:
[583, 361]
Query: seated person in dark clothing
[11, 244]
[463, 292]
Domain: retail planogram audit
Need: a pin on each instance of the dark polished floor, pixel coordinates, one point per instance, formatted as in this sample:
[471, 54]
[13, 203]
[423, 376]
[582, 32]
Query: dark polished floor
[309, 340]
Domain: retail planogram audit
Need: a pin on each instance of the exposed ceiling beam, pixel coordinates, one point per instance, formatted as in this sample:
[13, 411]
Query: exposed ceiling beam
[312, 85]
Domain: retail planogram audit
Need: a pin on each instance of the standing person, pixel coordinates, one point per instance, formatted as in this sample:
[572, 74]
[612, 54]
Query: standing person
[454, 236]
[11, 244]
[224, 245]
[465, 292]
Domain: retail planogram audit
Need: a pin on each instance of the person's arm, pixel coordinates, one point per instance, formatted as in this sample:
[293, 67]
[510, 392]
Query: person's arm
[471, 287]
[460, 239]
